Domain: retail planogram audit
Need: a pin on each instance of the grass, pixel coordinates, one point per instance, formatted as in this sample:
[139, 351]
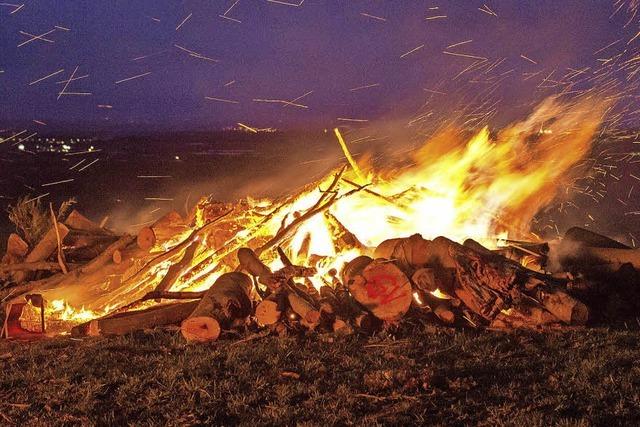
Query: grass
[418, 375]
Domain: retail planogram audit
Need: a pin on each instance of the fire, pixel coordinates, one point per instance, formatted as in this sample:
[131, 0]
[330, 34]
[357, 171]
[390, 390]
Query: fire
[487, 186]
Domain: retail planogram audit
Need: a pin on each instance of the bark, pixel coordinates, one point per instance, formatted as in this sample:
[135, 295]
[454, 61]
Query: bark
[226, 300]
[123, 323]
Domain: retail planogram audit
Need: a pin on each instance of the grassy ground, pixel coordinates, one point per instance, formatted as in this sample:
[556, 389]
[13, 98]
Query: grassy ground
[421, 374]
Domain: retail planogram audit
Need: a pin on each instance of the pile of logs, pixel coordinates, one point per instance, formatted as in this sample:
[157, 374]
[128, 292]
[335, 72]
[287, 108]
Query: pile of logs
[566, 282]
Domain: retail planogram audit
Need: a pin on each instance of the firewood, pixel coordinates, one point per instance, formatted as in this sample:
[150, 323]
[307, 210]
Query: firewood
[123, 323]
[177, 268]
[167, 227]
[43, 250]
[592, 239]
[382, 289]
[444, 314]
[268, 312]
[16, 246]
[425, 279]
[173, 295]
[77, 221]
[31, 266]
[408, 253]
[564, 307]
[354, 268]
[226, 300]
[309, 315]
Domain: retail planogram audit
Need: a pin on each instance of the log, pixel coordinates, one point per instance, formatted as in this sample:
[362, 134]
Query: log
[354, 268]
[167, 227]
[564, 307]
[309, 315]
[176, 269]
[444, 314]
[16, 246]
[226, 300]
[124, 323]
[268, 312]
[30, 266]
[77, 221]
[43, 250]
[382, 289]
[592, 239]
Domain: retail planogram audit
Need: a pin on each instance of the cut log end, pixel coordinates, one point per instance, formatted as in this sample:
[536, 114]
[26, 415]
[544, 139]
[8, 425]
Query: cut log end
[267, 312]
[146, 238]
[200, 329]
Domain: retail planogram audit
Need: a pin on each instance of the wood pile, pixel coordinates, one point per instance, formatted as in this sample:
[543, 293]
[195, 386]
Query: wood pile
[583, 278]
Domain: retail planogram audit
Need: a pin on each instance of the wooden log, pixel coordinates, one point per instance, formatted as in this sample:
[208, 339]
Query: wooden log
[177, 268]
[382, 289]
[444, 314]
[354, 268]
[167, 227]
[43, 250]
[592, 239]
[226, 300]
[16, 246]
[309, 315]
[123, 323]
[268, 311]
[173, 295]
[564, 307]
[30, 266]
[77, 221]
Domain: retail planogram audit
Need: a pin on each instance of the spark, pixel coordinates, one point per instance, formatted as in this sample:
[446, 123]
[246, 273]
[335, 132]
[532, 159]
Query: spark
[183, 21]
[49, 184]
[434, 91]
[431, 18]
[249, 128]
[364, 87]
[279, 101]
[34, 37]
[77, 164]
[82, 152]
[377, 18]
[159, 199]
[25, 138]
[107, 106]
[487, 10]
[17, 7]
[149, 55]
[346, 119]
[229, 83]
[12, 136]
[153, 176]
[133, 77]
[297, 99]
[606, 47]
[87, 165]
[62, 28]
[72, 80]
[36, 198]
[228, 101]
[285, 3]
[412, 50]
[39, 122]
[68, 81]
[47, 76]
[224, 15]
[195, 54]
[528, 59]
[459, 43]
[464, 55]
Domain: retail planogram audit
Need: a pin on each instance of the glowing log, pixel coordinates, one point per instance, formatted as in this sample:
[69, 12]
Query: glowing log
[226, 300]
[167, 227]
[176, 269]
[123, 323]
[43, 250]
[382, 289]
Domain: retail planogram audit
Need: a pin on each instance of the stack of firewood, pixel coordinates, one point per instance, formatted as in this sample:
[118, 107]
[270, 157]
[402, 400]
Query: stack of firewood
[565, 283]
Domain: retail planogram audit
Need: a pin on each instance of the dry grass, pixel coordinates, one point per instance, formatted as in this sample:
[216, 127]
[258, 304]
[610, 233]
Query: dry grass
[31, 219]
[419, 375]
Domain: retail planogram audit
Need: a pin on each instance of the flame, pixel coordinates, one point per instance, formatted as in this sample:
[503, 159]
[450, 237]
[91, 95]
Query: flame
[486, 186]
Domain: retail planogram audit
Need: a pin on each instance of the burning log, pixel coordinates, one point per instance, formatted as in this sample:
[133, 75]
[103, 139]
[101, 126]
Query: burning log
[124, 323]
[167, 227]
[179, 267]
[226, 300]
[43, 250]
[382, 289]
[75, 220]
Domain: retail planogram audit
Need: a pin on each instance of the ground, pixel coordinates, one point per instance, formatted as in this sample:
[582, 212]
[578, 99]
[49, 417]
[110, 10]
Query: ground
[417, 375]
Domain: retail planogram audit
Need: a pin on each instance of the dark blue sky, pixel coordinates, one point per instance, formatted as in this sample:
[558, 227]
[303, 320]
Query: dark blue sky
[280, 52]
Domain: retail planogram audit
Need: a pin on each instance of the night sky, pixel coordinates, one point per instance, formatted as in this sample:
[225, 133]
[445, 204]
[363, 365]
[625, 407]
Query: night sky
[363, 60]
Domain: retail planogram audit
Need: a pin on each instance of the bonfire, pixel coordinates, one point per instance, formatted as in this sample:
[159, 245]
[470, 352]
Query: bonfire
[446, 238]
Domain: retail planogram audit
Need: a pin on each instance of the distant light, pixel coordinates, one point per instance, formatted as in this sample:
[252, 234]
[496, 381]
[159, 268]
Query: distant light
[177, 157]
[21, 147]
